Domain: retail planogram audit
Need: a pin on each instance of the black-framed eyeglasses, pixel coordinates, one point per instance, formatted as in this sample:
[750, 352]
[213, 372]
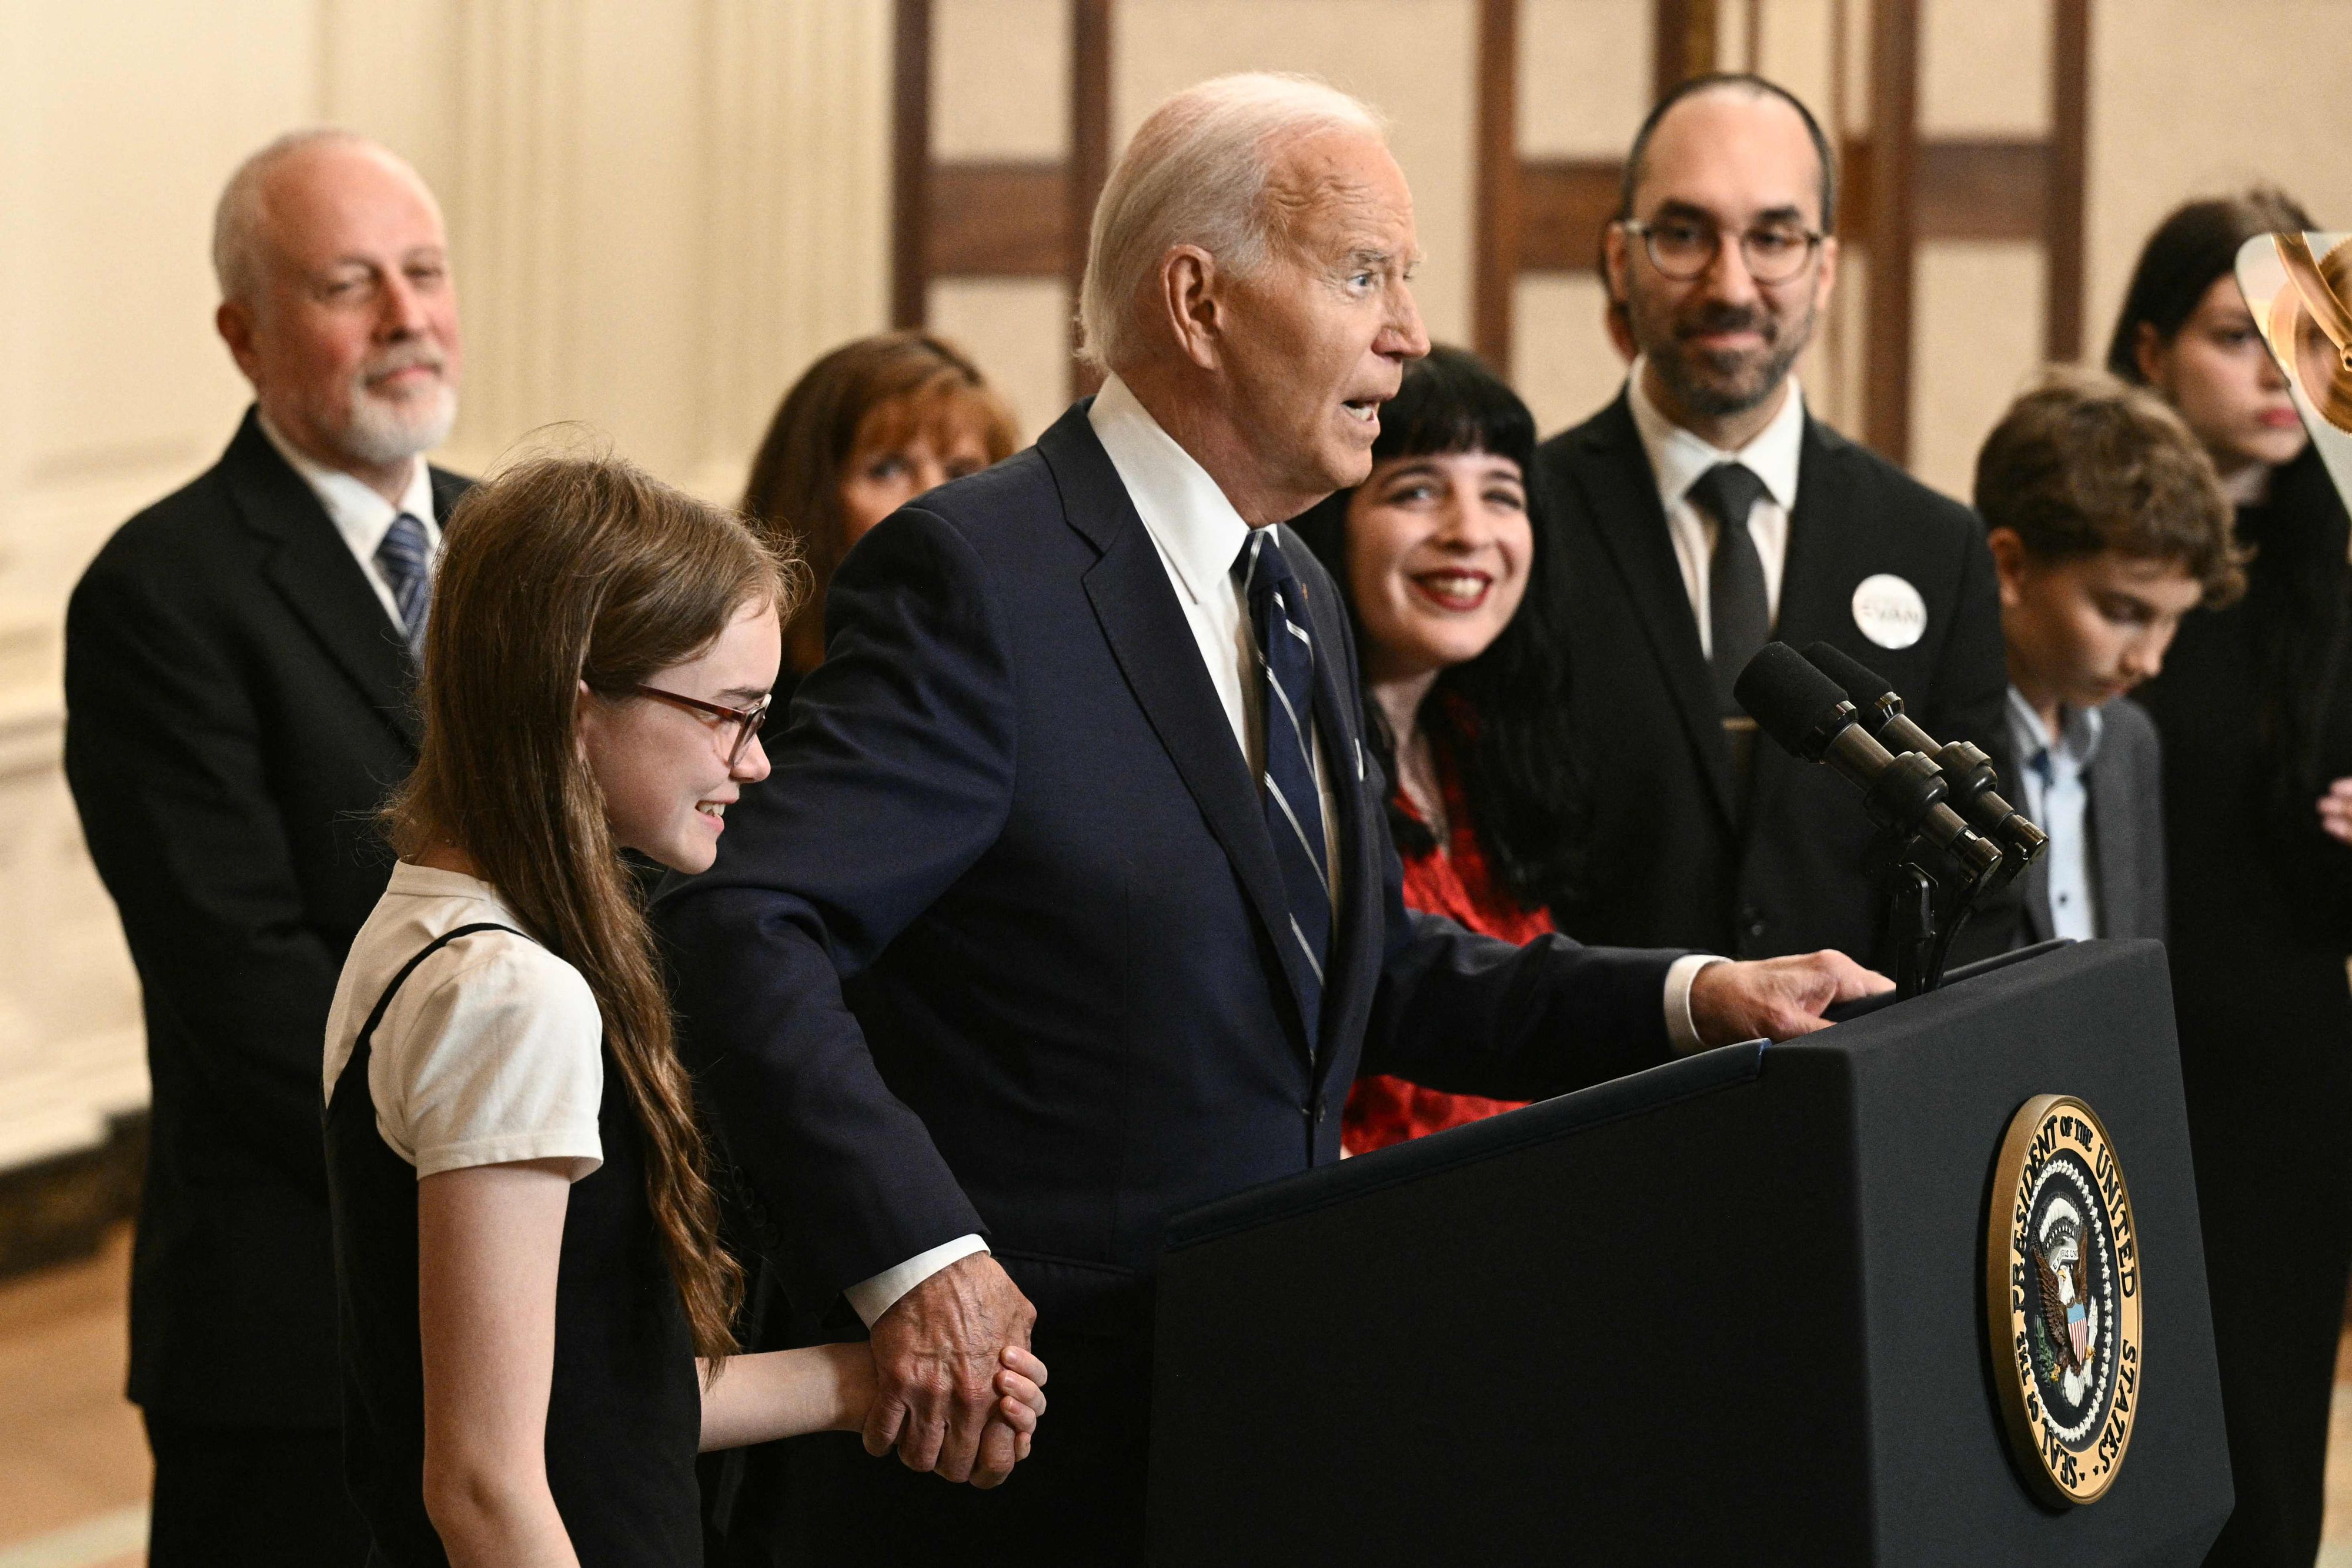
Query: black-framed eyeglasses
[1684, 248]
[747, 721]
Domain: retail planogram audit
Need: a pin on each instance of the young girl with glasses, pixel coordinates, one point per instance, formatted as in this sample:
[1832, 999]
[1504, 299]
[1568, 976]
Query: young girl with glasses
[536, 1312]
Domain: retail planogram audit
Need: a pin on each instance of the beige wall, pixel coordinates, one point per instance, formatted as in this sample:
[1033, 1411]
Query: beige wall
[663, 209]
[660, 213]
[2190, 98]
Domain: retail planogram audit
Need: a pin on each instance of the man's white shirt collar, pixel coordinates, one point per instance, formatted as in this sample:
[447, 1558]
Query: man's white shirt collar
[1184, 509]
[358, 512]
[1678, 457]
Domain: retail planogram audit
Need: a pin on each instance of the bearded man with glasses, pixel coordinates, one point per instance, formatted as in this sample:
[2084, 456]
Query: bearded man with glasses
[1707, 512]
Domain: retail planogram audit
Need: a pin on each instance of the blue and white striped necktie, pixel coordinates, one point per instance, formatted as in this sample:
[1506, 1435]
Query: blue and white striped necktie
[1294, 808]
[406, 562]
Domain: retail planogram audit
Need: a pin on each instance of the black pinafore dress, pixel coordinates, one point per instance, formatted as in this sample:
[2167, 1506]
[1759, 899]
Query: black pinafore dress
[623, 1411]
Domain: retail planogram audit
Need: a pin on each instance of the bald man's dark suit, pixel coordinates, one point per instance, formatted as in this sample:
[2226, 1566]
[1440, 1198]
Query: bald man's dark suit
[237, 708]
[1679, 852]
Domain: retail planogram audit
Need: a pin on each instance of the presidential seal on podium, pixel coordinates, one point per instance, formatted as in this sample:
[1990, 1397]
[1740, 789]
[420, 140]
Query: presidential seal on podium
[2062, 1294]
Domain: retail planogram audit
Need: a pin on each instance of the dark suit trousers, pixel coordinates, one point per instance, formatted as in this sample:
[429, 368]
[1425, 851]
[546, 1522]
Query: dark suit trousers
[251, 1497]
[2267, 1103]
[1078, 1498]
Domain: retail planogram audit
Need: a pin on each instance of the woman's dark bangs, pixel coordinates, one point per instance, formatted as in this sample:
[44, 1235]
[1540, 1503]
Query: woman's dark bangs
[1451, 403]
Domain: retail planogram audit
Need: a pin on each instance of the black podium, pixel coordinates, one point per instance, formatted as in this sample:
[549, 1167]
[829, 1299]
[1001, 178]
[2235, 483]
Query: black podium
[1731, 1310]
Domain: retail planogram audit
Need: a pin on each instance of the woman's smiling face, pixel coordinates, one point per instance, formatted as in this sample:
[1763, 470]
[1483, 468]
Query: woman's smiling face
[1438, 548]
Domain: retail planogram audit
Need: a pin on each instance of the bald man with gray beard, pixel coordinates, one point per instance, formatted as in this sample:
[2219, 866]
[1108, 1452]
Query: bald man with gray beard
[238, 664]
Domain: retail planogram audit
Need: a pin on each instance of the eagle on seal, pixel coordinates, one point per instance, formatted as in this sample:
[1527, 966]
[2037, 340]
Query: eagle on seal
[2066, 1306]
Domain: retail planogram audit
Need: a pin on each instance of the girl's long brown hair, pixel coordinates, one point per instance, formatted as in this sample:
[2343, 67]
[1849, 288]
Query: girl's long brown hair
[793, 495]
[566, 569]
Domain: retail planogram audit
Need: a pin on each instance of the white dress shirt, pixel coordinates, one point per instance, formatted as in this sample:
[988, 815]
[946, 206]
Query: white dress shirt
[1199, 535]
[363, 516]
[2055, 773]
[1677, 460]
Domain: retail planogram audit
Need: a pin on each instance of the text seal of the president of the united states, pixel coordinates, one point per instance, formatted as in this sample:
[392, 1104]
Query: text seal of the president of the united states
[2062, 1295]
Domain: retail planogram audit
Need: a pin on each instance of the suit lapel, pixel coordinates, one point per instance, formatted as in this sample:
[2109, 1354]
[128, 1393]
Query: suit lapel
[1136, 606]
[1339, 717]
[2037, 901]
[1621, 493]
[310, 564]
[2113, 791]
[1827, 533]
[448, 489]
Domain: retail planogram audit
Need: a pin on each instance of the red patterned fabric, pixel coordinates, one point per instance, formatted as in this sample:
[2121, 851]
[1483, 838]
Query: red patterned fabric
[1454, 881]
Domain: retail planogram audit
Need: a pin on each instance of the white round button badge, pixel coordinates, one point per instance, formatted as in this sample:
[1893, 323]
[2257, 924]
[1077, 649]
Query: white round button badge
[1889, 612]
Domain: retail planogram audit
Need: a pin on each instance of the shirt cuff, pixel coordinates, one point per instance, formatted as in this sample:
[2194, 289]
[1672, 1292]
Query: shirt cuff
[1681, 1032]
[871, 1298]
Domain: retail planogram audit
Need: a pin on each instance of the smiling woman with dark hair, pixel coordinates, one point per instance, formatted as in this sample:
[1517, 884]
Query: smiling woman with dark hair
[1450, 588]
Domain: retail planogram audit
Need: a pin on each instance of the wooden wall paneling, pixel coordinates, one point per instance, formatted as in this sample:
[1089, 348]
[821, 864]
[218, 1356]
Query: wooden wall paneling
[911, 165]
[1987, 188]
[1686, 37]
[1547, 214]
[1090, 155]
[998, 217]
[1564, 204]
[999, 220]
[1496, 251]
[1890, 236]
[1007, 219]
[2066, 218]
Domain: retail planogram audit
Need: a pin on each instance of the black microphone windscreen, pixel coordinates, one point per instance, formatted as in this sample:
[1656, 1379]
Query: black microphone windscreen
[1864, 686]
[1790, 698]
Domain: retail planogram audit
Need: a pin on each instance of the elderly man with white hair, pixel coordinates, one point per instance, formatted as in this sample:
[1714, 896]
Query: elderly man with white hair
[1071, 903]
[238, 672]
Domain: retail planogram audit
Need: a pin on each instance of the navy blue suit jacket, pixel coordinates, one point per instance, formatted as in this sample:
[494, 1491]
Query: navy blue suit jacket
[991, 950]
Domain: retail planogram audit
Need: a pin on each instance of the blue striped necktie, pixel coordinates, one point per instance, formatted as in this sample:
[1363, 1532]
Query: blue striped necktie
[406, 562]
[1294, 807]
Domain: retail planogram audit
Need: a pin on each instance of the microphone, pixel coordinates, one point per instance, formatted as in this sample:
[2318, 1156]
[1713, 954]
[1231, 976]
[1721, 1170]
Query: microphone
[1804, 711]
[1968, 771]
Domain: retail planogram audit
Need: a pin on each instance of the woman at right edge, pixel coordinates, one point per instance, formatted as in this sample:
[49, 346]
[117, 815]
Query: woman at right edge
[2255, 706]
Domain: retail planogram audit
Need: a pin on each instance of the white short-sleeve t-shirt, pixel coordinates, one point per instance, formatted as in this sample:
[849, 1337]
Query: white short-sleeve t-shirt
[492, 1050]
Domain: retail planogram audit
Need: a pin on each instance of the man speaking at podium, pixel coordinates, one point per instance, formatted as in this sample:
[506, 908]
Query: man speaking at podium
[1077, 815]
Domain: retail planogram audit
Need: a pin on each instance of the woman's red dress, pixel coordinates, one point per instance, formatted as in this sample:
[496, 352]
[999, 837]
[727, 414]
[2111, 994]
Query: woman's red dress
[1453, 880]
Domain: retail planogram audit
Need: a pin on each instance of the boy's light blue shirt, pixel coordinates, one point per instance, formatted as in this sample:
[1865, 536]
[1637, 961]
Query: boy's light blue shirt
[2054, 772]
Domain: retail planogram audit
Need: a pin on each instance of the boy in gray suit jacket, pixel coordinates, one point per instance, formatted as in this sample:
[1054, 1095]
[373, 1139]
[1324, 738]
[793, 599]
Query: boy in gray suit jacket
[2107, 524]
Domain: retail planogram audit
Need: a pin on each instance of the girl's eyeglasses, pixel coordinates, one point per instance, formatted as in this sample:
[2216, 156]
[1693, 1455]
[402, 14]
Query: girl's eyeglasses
[747, 721]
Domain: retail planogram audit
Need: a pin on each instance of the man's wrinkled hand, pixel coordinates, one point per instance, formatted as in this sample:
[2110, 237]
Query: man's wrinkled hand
[938, 1354]
[1778, 998]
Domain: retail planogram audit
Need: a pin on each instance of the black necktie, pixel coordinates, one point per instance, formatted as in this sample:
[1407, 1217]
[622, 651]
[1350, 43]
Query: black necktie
[1294, 807]
[1739, 617]
[406, 563]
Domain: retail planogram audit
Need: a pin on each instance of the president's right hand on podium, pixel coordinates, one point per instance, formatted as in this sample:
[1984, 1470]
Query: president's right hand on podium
[1776, 999]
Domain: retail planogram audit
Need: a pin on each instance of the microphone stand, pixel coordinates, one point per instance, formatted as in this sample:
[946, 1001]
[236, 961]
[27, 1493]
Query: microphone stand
[1920, 934]
[1911, 927]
